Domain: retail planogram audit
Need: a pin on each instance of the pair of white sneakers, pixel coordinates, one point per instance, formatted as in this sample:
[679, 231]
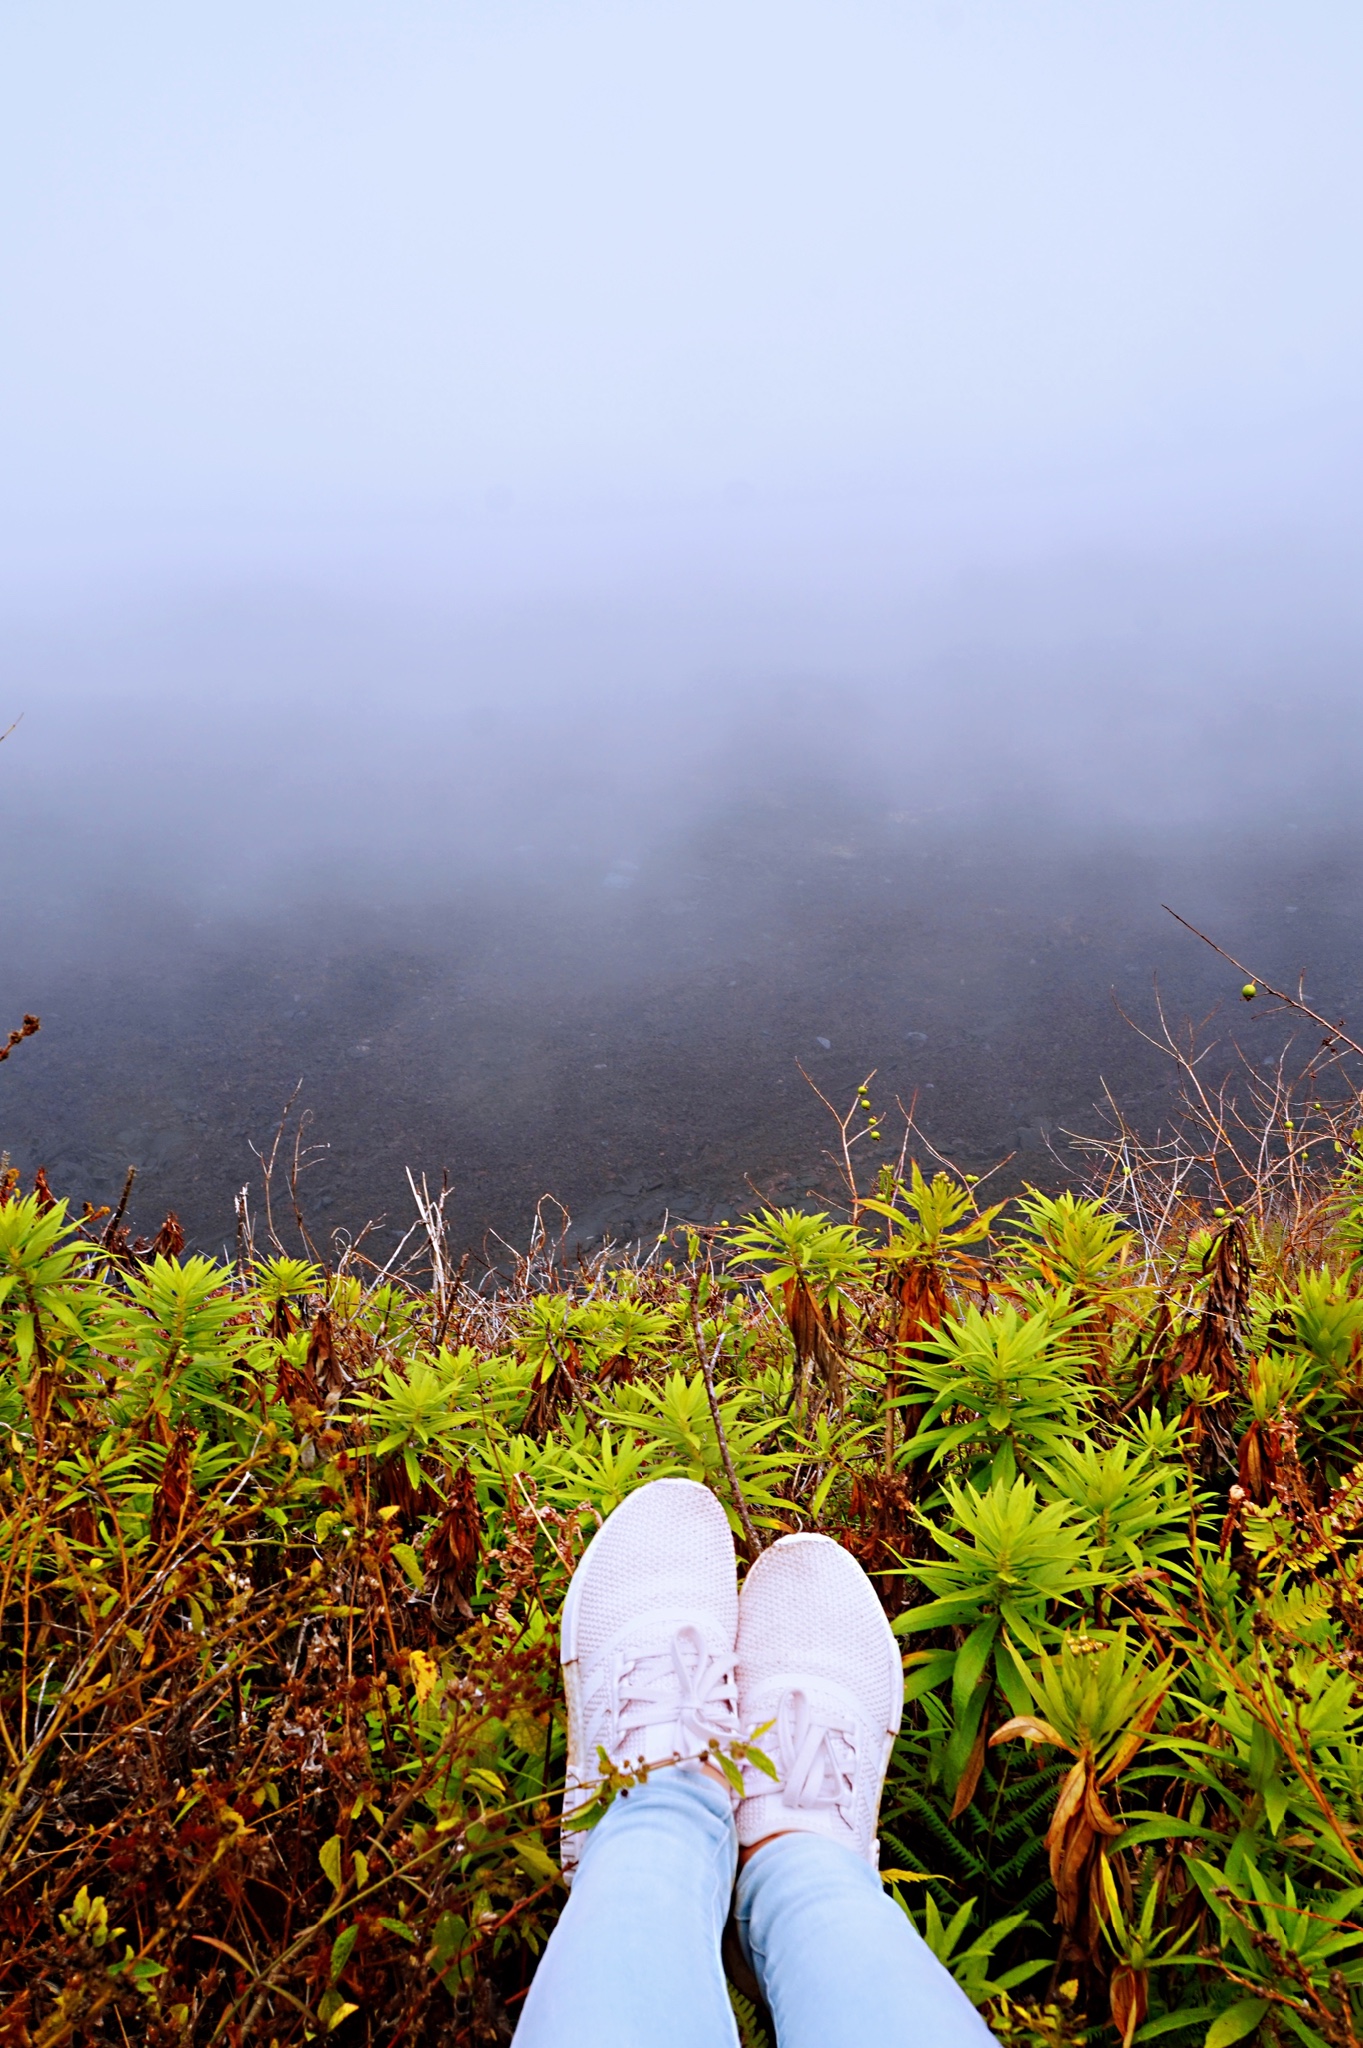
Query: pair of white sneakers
[663, 1661]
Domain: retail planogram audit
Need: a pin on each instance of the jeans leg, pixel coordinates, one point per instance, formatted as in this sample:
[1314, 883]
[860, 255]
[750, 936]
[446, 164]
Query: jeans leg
[839, 1963]
[634, 1961]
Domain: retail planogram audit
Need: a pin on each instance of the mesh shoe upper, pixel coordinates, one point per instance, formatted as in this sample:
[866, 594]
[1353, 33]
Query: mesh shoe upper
[648, 1639]
[816, 1660]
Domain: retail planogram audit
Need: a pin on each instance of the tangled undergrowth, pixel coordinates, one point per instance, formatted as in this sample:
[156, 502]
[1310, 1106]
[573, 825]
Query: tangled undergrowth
[285, 1544]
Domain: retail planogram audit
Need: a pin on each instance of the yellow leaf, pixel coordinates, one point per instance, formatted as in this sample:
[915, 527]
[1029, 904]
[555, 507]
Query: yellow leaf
[425, 1671]
[1030, 1729]
[526, 1730]
[1235, 2022]
[411, 1564]
[485, 1781]
[535, 1859]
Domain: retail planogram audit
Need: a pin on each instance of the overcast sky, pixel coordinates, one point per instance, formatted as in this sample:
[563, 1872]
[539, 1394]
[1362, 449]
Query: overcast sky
[325, 260]
[607, 364]
[708, 524]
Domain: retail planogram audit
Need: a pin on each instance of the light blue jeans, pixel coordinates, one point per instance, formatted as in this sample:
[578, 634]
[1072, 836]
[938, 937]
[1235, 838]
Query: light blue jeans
[634, 1962]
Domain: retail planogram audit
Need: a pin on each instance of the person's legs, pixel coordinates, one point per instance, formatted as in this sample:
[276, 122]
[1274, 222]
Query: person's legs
[838, 1962]
[648, 1669]
[648, 1652]
[634, 1961]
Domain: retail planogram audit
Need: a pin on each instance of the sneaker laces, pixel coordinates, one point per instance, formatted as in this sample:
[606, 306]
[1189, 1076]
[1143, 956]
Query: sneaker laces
[817, 1759]
[683, 1683]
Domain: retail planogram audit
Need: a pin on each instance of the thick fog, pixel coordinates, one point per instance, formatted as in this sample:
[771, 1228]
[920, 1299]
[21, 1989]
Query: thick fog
[563, 563]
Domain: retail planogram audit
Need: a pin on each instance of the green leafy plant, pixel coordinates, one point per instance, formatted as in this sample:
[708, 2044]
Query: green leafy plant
[1000, 1387]
[283, 1552]
[973, 1966]
[811, 1265]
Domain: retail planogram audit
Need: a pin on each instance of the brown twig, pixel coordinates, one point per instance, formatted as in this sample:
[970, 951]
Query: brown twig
[115, 1221]
[751, 1539]
[29, 1025]
[1336, 1035]
[267, 1165]
[846, 1135]
[298, 1166]
[246, 1244]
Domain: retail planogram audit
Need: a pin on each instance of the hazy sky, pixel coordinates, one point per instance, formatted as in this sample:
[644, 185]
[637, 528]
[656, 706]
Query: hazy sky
[316, 259]
[387, 371]
[530, 527]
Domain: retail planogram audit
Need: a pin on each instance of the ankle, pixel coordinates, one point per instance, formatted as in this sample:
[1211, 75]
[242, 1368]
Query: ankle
[746, 1854]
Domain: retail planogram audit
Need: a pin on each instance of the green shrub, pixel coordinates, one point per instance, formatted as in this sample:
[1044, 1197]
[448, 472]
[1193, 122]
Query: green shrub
[284, 1551]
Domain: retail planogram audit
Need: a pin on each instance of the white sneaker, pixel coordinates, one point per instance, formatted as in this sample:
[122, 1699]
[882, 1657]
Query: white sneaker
[817, 1660]
[648, 1640]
